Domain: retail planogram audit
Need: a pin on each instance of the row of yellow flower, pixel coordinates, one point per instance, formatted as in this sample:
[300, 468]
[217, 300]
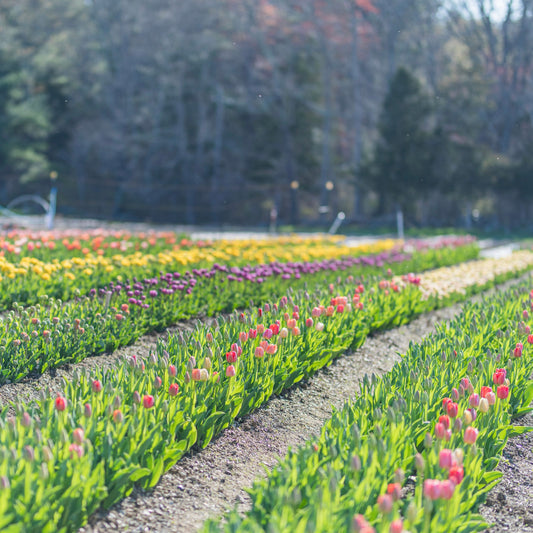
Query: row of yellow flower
[228, 252]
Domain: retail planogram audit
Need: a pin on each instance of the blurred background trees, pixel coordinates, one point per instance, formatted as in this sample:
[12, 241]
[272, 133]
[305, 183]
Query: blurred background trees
[218, 111]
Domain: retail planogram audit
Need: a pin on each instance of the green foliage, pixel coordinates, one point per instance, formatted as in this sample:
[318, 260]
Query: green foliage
[399, 169]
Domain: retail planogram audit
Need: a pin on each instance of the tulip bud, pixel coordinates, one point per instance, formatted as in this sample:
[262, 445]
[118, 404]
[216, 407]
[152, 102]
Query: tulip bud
[78, 435]
[356, 463]
[44, 472]
[412, 512]
[385, 503]
[484, 405]
[419, 462]
[47, 453]
[26, 420]
[457, 425]
[172, 370]
[136, 397]
[428, 441]
[87, 410]
[187, 377]
[459, 455]
[117, 402]
[4, 482]
[29, 453]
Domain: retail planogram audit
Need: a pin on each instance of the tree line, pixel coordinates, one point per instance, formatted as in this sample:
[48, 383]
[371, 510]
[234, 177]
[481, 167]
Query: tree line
[219, 111]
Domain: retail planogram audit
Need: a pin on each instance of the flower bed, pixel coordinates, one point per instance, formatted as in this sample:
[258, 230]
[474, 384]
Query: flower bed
[64, 456]
[50, 334]
[417, 448]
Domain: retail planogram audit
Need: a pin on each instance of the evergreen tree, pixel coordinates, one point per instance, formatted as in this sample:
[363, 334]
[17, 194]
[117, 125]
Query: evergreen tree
[399, 170]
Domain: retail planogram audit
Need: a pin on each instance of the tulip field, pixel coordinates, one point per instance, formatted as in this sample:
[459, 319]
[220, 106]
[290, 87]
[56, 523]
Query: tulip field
[414, 450]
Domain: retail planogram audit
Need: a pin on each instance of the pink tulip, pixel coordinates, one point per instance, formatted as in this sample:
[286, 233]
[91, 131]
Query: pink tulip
[309, 323]
[173, 389]
[491, 398]
[243, 336]
[75, 450]
[195, 374]
[385, 503]
[432, 489]
[259, 352]
[96, 386]
[231, 356]
[87, 410]
[172, 371]
[267, 334]
[447, 489]
[517, 352]
[396, 526]
[272, 349]
[471, 434]
[474, 400]
[445, 458]
[230, 371]
[296, 331]
[499, 376]
[78, 435]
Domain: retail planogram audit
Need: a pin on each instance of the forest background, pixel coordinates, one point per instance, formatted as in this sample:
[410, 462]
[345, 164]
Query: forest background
[221, 111]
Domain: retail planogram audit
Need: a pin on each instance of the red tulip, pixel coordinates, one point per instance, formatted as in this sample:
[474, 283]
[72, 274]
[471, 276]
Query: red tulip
[231, 357]
[173, 389]
[148, 401]
[445, 421]
[60, 403]
[456, 474]
[499, 376]
[440, 430]
[503, 392]
[452, 409]
[485, 390]
[96, 386]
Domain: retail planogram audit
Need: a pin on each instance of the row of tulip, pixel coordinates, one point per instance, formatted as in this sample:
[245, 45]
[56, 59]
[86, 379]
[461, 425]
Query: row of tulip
[69, 243]
[417, 448]
[28, 278]
[63, 456]
[50, 333]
